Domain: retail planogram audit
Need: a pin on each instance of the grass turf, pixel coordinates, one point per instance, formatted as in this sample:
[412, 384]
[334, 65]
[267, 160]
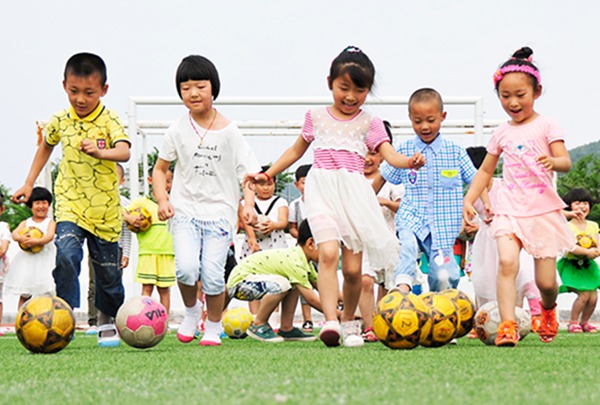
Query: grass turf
[249, 372]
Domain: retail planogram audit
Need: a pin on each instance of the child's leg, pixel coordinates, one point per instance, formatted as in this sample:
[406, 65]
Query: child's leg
[578, 305]
[590, 306]
[405, 270]
[509, 248]
[288, 308]
[110, 293]
[545, 278]
[366, 304]
[306, 311]
[147, 290]
[327, 280]
[69, 253]
[267, 305]
[23, 299]
[351, 269]
[164, 294]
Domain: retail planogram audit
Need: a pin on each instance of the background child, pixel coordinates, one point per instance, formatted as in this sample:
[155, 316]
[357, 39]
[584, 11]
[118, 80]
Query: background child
[212, 159]
[5, 239]
[31, 273]
[429, 217]
[528, 212]
[124, 254]
[92, 139]
[156, 256]
[340, 205]
[578, 270]
[272, 211]
[278, 276]
[389, 200]
[295, 217]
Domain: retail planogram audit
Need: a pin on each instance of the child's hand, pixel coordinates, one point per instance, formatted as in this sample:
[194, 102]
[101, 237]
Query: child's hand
[124, 262]
[89, 147]
[469, 215]
[165, 210]
[266, 226]
[489, 214]
[249, 215]
[22, 194]
[546, 161]
[592, 253]
[416, 161]
[253, 244]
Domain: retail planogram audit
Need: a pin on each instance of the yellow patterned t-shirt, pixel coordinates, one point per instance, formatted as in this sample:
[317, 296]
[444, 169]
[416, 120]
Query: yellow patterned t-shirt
[86, 189]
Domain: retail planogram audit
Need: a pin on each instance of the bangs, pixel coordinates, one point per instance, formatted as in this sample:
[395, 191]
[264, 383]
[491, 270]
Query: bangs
[359, 75]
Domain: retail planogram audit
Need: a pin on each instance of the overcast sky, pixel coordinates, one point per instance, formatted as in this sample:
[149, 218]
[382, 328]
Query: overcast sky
[284, 48]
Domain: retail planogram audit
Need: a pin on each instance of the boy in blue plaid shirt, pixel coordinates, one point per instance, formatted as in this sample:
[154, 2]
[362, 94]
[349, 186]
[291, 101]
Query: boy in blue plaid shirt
[430, 214]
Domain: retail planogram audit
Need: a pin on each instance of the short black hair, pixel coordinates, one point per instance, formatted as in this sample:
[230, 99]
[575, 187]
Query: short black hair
[426, 94]
[39, 194]
[302, 171]
[304, 233]
[477, 154]
[86, 64]
[578, 194]
[196, 67]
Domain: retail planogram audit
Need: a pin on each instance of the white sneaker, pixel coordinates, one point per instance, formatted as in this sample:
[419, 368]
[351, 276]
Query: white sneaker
[188, 327]
[212, 334]
[351, 334]
[330, 333]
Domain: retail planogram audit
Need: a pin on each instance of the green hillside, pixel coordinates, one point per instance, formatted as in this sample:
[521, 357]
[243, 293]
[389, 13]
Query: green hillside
[577, 153]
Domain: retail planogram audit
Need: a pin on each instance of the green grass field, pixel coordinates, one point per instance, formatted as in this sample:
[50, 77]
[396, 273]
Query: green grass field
[250, 372]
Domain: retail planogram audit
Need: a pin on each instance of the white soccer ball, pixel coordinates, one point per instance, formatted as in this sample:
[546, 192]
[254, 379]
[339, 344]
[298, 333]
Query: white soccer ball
[488, 319]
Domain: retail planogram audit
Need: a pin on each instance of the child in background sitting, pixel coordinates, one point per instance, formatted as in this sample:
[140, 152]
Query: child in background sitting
[31, 273]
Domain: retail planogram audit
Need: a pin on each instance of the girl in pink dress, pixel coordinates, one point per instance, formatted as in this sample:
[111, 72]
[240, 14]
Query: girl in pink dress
[340, 204]
[528, 210]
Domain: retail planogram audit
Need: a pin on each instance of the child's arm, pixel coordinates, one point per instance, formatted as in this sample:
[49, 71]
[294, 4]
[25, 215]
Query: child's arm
[40, 159]
[399, 160]
[49, 236]
[389, 204]
[294, 230]
[289, 157]
[159, 181]
[16, 234]
[120, 153]
[559, 161]
[3, 248]
[252, 242]
[479, 183]
[311, 298]
[281, 223]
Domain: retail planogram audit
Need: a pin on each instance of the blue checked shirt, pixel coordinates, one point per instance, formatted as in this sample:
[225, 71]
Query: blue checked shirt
[434, 194]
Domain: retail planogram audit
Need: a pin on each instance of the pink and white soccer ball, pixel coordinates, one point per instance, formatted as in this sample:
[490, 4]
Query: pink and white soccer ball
[142, 322]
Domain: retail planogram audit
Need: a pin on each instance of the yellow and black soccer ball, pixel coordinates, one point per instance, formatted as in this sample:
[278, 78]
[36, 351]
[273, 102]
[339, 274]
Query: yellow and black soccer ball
[466, 310]
[401, 320]
[45, 324]
[444, 318]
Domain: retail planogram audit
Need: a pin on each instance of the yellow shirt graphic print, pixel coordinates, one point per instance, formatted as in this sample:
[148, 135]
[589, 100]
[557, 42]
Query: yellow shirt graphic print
[86, 188]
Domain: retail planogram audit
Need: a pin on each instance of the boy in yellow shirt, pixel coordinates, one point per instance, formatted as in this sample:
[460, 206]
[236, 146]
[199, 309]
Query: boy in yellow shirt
[86, 189]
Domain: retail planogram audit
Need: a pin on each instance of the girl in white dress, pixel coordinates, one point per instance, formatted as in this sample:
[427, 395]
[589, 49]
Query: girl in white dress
[31, 268]
[341, 207]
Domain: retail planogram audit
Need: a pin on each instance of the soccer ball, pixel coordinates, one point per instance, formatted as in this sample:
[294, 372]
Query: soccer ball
[142, 322]
[401, 320]
[487, 320]
[236, 322]
[146, 219]
[524, 321]
[466, 310]
[33, 233]
[45, 324]
[444, 318]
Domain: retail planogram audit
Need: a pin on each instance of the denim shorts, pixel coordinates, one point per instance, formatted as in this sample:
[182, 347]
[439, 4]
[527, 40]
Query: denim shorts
[201, 249]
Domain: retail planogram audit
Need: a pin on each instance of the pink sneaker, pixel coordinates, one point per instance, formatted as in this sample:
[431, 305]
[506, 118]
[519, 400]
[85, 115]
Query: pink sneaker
[188, 327]
[330, 333]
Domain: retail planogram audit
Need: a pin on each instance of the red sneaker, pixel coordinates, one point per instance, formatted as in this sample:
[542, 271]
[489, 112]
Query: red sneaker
[549, 325]
[508, 334]
[536, 321]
